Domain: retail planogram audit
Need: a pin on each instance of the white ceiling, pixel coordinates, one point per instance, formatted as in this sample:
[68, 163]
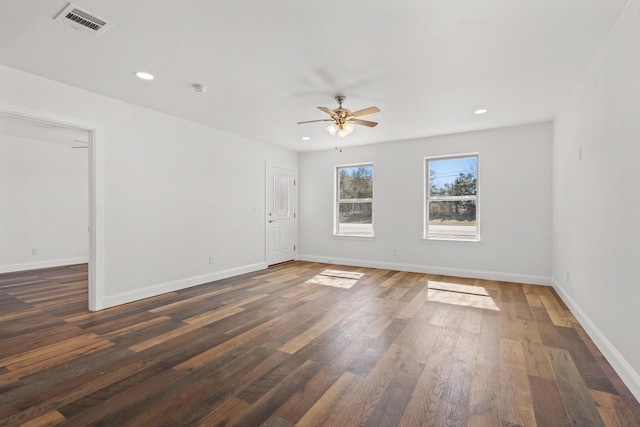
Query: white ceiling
[428, 64]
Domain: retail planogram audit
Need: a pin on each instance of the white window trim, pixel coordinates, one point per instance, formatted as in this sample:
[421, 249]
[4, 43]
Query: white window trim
[426, 199]
[337, 201]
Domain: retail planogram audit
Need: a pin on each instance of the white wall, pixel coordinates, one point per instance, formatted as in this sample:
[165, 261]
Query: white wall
[44, 193]
[175, 192]
[596, 200]
[515, 206]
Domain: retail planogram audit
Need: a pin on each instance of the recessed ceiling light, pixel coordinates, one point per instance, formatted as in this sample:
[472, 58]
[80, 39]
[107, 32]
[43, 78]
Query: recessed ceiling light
[144, 75]
[481, 111]
[306, 138]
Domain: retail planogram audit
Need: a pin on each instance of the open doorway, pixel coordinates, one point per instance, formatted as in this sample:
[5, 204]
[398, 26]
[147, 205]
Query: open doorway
[50, 211]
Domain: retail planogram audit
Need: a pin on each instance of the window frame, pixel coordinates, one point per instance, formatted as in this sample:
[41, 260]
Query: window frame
[427, 197]
[337, 200]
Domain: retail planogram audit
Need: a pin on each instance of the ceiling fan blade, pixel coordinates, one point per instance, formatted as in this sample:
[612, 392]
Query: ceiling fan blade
[364, 122]
[312, 121]
[328, 111]
[365, 111]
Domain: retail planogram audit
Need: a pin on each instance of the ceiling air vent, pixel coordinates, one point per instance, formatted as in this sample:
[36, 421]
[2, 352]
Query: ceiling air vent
[82, 20]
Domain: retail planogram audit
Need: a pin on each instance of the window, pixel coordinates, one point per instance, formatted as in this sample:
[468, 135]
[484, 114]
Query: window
[451, 198]
[354, 200]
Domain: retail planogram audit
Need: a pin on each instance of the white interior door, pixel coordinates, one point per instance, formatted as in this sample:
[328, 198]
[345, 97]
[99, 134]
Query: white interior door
[281, 214]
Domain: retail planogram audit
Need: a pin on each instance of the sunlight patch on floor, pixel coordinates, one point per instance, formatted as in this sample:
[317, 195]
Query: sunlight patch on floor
[458, 294]
[336, 278]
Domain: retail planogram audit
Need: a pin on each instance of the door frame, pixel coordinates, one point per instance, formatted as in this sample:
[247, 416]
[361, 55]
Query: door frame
[96, 191]
[268, 182]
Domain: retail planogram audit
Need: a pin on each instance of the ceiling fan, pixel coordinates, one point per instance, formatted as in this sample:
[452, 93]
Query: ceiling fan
[343, 119]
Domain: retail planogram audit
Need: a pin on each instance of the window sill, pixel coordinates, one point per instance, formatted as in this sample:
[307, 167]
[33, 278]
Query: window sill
[352, 237]
[455, 242]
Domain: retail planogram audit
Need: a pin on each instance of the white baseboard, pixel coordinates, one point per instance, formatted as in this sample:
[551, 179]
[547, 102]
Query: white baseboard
[428, 269]
[10, 268]
[163, 288]
[625, 371]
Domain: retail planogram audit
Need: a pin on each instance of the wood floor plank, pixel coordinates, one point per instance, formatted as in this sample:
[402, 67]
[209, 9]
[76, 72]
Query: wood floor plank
[330, 344]
[135, 327]
[485, 400]
[458, 388]
[23, 367]
[412, 308]
[547, 403]
[236, 378]
[370, 357]
[310, 334]
[235, 370]
[203, 358]
[193, 323]
[34, 340]
[301, 402]
[535, 355]
[273, 348]
[262, 409]
[11, 362]
[61, 394]
[323, 408]
[358, 403]
[188, 301]
[51, 418]
[225, 413]
[390, 408]
[613, 410]
[575, 395]
[429, 390]
[621, 389]
[121, 396]
[590, 371]
[515, 398]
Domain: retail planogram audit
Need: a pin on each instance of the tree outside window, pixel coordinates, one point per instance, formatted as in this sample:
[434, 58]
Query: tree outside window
[451, 198]
[354, 200]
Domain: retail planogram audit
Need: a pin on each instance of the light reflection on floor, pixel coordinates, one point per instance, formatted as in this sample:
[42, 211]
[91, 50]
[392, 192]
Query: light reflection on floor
[465, 295]
[336, 278]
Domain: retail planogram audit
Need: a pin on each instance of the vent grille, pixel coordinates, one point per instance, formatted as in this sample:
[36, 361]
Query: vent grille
[82, 20]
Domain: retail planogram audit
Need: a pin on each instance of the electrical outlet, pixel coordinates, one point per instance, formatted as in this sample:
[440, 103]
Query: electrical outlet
[211, 259]
[395, 252]
[34, 251]
[567, 277]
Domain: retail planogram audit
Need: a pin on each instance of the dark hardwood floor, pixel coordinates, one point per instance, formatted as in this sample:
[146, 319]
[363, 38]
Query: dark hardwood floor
[295, 346]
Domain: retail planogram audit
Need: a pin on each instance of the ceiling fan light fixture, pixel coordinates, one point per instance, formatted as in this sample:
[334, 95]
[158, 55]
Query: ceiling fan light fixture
[349, 127]
[345, 129]
[344, 120]
[341, 130]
